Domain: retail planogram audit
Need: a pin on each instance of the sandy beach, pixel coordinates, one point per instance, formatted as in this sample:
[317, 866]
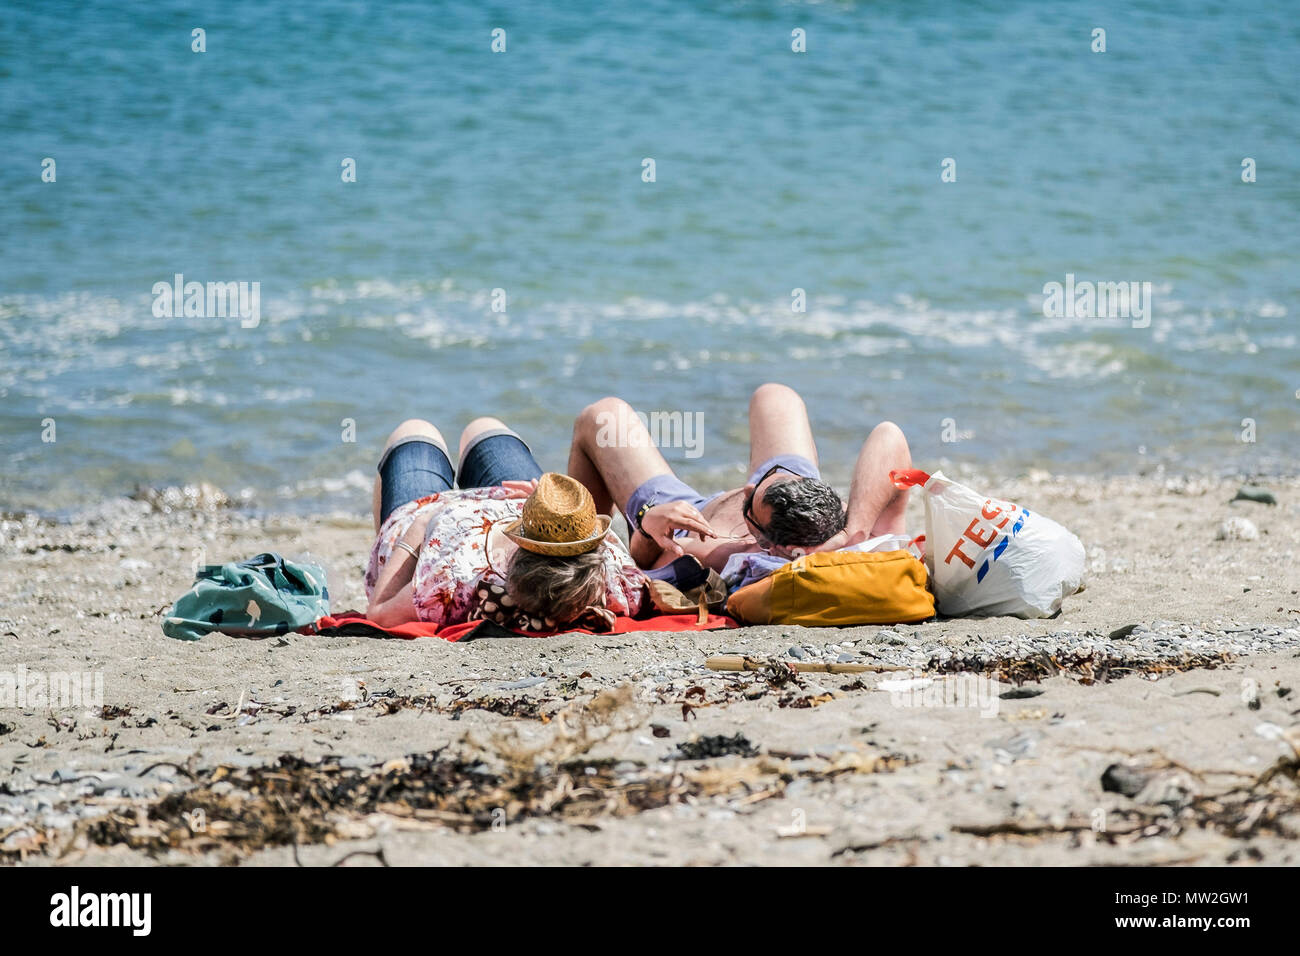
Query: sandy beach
[1156, 720]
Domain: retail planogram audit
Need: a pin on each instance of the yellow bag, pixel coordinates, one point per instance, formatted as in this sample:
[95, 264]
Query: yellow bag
[838, 588]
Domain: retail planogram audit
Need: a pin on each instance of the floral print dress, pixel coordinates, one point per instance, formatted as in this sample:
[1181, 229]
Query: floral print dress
[464, 547]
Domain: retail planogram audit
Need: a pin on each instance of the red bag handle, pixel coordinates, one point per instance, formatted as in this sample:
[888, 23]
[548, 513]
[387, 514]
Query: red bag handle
[908, 477]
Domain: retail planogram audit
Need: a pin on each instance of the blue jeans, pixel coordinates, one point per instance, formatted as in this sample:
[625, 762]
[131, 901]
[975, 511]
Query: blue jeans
[418, 465]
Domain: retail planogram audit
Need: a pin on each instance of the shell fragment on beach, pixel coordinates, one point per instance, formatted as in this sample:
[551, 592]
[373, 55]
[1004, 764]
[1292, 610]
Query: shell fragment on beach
[1237, 528]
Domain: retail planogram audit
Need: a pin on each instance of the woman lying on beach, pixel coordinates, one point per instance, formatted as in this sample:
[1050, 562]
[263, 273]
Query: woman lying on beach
[497, 539]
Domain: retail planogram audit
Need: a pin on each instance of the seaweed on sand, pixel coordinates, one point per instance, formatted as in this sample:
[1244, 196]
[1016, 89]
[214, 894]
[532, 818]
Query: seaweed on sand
[523, 707]
[1086, 667]
[717, 745]
[1170, 803]
[234, 811]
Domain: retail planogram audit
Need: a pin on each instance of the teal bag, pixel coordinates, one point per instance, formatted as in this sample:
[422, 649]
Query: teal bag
[259, 597]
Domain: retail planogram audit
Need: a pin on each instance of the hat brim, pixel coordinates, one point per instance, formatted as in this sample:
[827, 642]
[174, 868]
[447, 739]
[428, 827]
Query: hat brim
[558, 549]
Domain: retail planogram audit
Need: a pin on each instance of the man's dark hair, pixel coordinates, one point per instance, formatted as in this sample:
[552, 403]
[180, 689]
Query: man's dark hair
[805, 513]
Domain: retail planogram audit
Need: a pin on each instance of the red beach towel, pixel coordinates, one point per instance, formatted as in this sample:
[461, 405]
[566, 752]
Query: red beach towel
[356, 623]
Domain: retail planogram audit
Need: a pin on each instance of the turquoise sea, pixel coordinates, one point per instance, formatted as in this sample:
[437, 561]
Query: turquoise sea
[522, 171]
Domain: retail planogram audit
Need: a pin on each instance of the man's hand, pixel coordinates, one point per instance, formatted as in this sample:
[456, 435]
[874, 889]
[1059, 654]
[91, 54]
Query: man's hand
[839, 540]
[661, 521]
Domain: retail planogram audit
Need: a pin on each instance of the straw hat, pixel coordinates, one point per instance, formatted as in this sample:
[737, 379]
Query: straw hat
[559, 519]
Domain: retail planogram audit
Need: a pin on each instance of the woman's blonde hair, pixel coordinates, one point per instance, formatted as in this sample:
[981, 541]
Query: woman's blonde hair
[554, 588]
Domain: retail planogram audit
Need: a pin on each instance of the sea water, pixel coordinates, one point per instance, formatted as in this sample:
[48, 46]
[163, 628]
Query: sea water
[446, 210]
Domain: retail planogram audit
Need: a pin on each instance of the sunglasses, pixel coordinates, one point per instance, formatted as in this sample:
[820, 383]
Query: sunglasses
[747, 510]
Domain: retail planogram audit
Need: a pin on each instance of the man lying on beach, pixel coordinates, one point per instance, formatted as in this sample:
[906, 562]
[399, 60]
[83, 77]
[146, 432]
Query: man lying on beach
[785, 508]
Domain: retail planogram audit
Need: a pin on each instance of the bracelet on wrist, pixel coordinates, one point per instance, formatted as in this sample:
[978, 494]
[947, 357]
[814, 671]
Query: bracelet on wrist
[640, 516]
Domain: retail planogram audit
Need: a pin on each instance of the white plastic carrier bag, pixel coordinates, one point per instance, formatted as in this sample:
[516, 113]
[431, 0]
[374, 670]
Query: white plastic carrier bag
[991, 557]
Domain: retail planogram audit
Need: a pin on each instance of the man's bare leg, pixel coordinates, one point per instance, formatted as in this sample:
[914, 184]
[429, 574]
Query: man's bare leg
[876, 507]
[778, 425]
[612, 453]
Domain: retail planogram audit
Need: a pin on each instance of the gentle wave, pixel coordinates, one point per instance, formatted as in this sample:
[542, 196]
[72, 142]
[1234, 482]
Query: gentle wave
[187, 399]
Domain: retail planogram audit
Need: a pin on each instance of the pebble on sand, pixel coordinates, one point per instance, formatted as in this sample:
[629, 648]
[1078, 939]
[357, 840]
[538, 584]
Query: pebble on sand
[1237, 528]
[1254, 493]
